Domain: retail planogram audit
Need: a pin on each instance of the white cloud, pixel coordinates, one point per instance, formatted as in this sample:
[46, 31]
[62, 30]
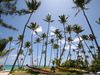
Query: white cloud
[77, 39]
[52, 28]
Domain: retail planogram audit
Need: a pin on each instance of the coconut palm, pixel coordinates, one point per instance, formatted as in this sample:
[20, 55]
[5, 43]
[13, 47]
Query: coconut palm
[78, 29]
[52, 42]
[81, 5]
[33, 27]
[43, 36]
[37, 41]
[85, 38]
[69, 30]
[10, 39]
[32, 5]
[58, 35]
[63, 20]
[49, 20]
[27, 45]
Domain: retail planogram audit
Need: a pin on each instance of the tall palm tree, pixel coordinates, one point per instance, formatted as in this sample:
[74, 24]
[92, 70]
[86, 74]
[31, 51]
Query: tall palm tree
[32, 5]
[33, 27]
[63, 20]
[10, 39]
[27, 45]
[20, 37]
[85, 38]
[57, 34]
[49, 20]
[37, 41]
[81, 4]
[69, 30]
[52, 43]
[43, 36]
[78, 29]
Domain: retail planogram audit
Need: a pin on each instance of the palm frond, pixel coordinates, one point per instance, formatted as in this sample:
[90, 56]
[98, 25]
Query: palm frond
[5, 25]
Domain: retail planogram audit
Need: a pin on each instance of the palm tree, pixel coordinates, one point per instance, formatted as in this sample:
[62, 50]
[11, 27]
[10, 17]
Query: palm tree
[52, 43]
[20, 37]
[78, 29]
[85, 38]
[27, 45]
[58, 36]
[37, 41]
[69, 30]
[98, 21]
[43, 36]
[63, 20]
[10, 39]
[33, 27]
[49, 20]
[32, 6]
[81, 4]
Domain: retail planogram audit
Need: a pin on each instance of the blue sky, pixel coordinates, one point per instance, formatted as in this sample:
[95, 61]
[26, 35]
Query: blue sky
[55, 8]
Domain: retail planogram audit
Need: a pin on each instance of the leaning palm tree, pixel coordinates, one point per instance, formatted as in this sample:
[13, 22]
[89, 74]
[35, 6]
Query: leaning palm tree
[10, 39]
[86, 38]
[49, 20]
[63, 20]
[81, 5]
[32, 5]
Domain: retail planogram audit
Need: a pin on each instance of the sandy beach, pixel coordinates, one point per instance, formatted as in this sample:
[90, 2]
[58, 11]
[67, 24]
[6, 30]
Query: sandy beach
[4, 72]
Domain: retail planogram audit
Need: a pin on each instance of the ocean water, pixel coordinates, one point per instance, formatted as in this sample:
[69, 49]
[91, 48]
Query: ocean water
[8, 67]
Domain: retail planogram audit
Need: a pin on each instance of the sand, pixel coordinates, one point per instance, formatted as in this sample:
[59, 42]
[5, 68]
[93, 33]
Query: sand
[4, 72]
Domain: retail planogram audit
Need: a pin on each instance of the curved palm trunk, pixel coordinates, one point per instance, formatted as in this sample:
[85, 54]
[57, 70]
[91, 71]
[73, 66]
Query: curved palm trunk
[21, 43]
[41, 53]
[91, 31]
[45, 58]
[8, 54]
[17, 53]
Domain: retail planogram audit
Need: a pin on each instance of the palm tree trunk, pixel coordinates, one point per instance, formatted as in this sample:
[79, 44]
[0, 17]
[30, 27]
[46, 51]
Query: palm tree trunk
[24, 57]
[21, 43]
[37, 54]
[50, 55]
[41, 53]
[89, 49]
[91, 31]
[32, 48]
[63, 50]
[45, 58]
